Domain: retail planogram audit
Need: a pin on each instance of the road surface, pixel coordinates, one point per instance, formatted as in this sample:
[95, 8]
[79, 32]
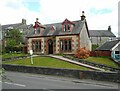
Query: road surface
[17, 80]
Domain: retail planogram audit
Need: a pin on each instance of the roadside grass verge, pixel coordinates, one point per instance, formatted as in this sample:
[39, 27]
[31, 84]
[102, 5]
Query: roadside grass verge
[47, 62]
[103, 60]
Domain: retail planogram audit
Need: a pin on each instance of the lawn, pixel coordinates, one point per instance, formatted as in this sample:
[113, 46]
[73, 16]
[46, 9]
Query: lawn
[10, 55]
[103, 60]
[47, 62]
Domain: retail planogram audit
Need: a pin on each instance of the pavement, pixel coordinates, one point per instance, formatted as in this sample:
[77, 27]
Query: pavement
[74, 62]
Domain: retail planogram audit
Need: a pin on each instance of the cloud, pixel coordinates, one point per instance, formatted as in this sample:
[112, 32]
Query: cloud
[99, 13]
[105, 14]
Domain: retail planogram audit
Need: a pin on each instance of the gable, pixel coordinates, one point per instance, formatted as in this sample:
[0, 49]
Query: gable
[66, 21]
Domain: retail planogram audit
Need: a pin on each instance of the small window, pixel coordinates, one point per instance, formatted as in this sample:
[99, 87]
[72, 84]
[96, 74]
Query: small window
[67, 27]
[38, 31]
[36, 46]
[117, 52]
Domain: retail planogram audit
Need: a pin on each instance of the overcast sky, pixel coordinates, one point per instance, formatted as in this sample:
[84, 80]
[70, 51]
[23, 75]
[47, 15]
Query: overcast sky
[99, 13]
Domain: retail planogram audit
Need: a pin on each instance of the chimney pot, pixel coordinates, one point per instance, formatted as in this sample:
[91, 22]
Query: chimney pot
[23, 21]
[83, 16]
[109, 28]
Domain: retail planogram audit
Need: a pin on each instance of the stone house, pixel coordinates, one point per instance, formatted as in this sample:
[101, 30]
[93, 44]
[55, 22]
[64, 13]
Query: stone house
[59, 38]
[99, 37]
[22, 27]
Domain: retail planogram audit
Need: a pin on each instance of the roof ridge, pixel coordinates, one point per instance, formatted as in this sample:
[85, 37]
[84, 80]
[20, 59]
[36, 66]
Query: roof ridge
[60, 22]
[11, 24]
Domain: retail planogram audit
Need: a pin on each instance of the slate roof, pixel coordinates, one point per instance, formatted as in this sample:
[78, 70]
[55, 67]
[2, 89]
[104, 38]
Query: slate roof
[4, 27]
[26, 28]
[78, 25]
[101, 33]
[108, 45]
[16, 26]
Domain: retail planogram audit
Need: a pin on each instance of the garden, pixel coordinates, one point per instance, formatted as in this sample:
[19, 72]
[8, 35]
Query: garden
[46, 62]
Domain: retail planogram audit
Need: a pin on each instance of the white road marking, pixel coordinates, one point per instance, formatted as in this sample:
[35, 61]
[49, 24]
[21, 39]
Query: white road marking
[15, 84]
[19, 84]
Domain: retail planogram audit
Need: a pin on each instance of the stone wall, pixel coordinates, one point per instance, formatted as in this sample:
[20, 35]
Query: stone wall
[94, 75]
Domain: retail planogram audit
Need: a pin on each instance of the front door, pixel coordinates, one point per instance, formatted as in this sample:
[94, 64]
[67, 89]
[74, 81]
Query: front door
[50, 46]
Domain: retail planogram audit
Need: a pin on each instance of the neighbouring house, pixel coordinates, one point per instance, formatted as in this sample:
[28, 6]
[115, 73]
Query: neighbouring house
[22, 27]
[0, 32]
[110, 48]
[0, 38]
[59, 38]
[99, 37]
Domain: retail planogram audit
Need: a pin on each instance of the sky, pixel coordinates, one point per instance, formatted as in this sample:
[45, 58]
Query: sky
[99, 13]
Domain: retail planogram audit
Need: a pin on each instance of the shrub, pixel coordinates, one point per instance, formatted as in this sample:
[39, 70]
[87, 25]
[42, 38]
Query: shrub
[82, 53]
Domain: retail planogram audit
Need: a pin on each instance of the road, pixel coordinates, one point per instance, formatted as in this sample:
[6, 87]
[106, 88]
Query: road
[16, 80]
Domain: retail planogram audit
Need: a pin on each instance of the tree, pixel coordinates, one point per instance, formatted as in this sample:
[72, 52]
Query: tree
[13, 38]
[82, 53]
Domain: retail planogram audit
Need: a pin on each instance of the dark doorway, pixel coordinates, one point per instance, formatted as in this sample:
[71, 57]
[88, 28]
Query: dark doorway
[50, 46]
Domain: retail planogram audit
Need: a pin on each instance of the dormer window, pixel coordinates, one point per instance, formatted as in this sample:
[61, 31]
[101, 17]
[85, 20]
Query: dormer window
[67, 25]
[38, 27]
[53, 28]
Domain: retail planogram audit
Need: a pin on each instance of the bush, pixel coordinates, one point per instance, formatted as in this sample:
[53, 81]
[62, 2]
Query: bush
[82, 53]
[12, 49]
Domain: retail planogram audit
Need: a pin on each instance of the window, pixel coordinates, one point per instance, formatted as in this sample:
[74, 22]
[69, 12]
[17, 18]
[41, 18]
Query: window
[66, 27]
[36, 46]
[70, 47]
[117, 52]
[38, 31]
[65, 45]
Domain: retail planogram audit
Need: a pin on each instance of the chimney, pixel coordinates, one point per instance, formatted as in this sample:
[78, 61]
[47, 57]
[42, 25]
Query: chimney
[23, 21]
[109, 28]
[83, 16]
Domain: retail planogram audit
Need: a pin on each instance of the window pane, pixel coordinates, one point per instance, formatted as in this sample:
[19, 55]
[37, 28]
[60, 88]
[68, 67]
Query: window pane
[65, 28]
[61, 45]
[68, 27]
[70, 45]
[65, 44]
[36, 45]
[40, 45]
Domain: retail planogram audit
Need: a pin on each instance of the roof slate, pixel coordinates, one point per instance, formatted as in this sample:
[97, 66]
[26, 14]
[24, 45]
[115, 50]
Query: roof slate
[78, 25]
[108, 45]
[101, 33]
